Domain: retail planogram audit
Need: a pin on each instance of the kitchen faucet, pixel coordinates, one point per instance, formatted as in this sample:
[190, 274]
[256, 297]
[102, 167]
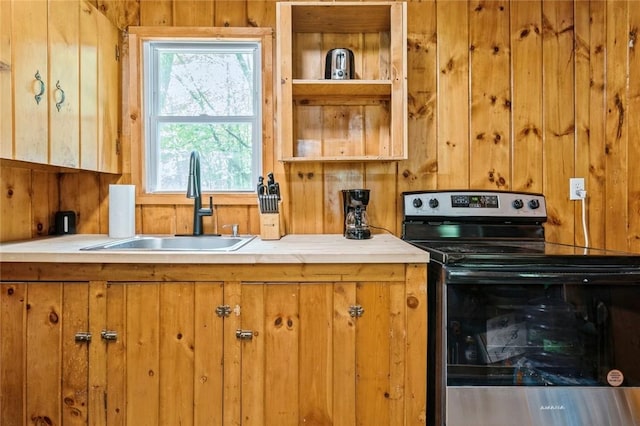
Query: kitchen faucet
[194, 190]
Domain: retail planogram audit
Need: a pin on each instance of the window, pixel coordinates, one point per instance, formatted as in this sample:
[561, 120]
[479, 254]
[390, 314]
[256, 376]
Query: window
[204, 96]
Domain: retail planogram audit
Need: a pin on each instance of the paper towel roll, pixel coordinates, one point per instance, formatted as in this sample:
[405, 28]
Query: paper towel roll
[122, 211]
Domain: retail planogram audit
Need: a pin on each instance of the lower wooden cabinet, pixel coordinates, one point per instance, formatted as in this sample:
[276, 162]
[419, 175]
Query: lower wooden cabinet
[228, 352]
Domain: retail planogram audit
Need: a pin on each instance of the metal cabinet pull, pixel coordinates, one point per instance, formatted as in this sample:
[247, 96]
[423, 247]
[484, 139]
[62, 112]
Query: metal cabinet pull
[39, 94]
[109, 335]
[356, 311]
[244, 334]
[59, 103]
[223, 311]
[83, 336]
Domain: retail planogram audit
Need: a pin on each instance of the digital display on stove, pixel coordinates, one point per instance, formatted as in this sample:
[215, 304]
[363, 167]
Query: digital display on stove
[475, 201]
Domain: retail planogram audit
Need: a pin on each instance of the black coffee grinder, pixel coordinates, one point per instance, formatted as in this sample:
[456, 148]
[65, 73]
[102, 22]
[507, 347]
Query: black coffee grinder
[356, 222]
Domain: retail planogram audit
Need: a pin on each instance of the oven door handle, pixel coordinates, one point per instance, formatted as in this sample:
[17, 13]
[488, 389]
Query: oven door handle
[538, 275]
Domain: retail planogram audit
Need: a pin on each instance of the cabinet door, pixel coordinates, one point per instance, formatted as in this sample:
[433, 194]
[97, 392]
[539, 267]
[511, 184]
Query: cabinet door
[88, 87]
[174, 353]
[64, 99]
[317, 358]
[108, 95]
[44, 371]
[30, 71]
[6, 126]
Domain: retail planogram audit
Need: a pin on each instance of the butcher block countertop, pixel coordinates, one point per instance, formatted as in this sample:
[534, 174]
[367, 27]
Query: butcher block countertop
[291, 249]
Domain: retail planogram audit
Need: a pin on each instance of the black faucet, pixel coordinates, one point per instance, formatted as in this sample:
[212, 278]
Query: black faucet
[194, 190]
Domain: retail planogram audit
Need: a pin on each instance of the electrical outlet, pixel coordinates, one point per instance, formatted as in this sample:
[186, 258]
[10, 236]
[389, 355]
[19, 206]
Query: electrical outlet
[576, 189]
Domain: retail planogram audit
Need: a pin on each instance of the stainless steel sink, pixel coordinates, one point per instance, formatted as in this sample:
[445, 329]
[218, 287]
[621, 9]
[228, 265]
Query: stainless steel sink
[197, 243]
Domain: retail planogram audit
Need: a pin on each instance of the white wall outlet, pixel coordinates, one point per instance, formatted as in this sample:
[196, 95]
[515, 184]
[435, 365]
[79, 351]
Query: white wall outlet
[576, 189]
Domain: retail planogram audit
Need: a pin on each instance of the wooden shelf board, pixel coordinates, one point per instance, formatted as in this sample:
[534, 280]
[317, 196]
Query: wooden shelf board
[342, 159]
[341, 87]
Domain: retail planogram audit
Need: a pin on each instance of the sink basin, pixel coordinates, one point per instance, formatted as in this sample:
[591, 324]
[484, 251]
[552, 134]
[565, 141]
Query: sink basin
[208, 243]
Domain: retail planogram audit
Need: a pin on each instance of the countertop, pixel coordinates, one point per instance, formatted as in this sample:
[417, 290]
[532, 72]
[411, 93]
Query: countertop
[290, 249]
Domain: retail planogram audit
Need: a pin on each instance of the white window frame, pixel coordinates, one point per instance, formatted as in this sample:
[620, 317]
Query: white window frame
[151, 50]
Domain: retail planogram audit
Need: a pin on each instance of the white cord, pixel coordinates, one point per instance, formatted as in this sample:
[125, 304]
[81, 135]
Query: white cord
[583, 196]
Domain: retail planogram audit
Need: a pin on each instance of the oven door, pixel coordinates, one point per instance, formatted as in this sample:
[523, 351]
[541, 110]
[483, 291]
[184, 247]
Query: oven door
[535, 345]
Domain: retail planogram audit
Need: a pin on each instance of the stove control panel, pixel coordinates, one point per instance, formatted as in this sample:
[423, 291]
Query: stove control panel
[461, 204]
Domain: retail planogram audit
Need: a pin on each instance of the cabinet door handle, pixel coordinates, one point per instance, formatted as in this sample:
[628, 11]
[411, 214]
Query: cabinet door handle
[83, 337]
[356, 311]
[39, 94]
[109, 335]
[59, 103]
[244, 334]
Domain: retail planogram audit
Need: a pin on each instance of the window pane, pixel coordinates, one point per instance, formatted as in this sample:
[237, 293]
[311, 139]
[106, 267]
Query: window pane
[225, 155]
[205, 83]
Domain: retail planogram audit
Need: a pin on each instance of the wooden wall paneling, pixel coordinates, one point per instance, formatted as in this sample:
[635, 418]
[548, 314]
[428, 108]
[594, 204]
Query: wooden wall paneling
[339, 176]
[305, 180]
[44, 331]
[79, 192]
[44, 198]
[558, 107]
[617, 134]
[526, 105]
[121, 13]
[6, 100]
[142, 343]
[13, 344]
[372, 366]
[344, 355]
[231, 13]
[384, 200]
[156, 13]
[595, 180]
[208, 365]
[453, 102]
[633, 183]
[116, 310]
[261, 13]
[193, 13]
[64, 83]
[177, 336]
[184, 218]
[15, 204]
[316, 354]
[233, 385]
[161, 219]
[229, 215]
[75, 368]
[582, 101]
[490, 160]
[282, 328]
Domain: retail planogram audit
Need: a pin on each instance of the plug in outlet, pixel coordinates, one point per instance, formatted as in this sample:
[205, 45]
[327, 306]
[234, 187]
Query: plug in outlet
[576, 189]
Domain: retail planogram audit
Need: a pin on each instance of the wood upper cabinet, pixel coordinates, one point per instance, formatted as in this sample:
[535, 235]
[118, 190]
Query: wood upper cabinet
[66, 86]
[6, 107]
[64, 83]
[30, 73]
[108, 95]
[359, 119]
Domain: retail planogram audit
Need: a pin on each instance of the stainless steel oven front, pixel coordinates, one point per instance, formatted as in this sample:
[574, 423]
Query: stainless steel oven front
[522, 331]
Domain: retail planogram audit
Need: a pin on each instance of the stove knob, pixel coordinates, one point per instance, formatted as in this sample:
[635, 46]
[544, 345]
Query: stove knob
[534, 204]
[517, 204]
[433, 203]
[417, 203]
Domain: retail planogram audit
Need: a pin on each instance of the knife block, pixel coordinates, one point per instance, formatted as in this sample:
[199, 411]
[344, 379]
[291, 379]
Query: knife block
[271, 226]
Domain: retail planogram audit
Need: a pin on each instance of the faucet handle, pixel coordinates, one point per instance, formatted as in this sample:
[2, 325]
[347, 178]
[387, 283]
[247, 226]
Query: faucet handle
[234, 229]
